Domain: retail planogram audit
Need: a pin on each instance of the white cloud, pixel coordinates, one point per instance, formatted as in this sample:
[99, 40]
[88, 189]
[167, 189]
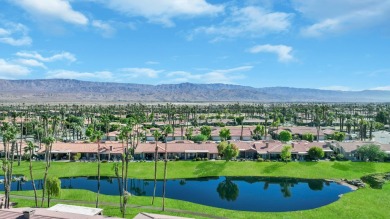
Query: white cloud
[152, 63]
[162, 11]
[106, 29]
[336, 88]
[283, 52]
[60, 56]
[344, 15]
[65, 74]
[30, 62]
[7, 68]
[53, 9]
[140, 72]
[14, 34]
[248, 21]
[385, 88]
[227, 76]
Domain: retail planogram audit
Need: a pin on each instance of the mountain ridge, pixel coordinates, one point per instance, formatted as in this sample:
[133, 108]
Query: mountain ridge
[71, 90]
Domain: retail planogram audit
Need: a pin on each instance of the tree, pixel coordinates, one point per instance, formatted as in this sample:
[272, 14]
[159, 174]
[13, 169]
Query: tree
[206, 131]
[30, 149]
[286, 153]
[8, 132]
[48, 141]
[156, 135]
[189, 133]
[228, 150]
[308, 137]
[339, 136]
[317, 122]
[372, 152]
[259, 131]
[97, 137]
[224, 134]
[53, 187]
[240, 121]
[166, 130]
[285, 136]
[199, 138]
[316, 153]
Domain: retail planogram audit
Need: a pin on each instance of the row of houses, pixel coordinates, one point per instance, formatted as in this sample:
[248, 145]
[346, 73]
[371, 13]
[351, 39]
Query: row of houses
[249, 150]
[186, 150]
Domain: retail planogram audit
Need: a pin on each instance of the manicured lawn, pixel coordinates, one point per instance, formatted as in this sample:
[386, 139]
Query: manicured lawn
[363, 203]
[191, 169]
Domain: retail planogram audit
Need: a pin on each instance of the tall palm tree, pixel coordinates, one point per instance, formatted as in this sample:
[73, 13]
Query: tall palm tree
[48, 141]
[97, 137]
[9, 135]
[156, 135]
[30, 149]
[124, 135]
[240, 121]
[166, 130]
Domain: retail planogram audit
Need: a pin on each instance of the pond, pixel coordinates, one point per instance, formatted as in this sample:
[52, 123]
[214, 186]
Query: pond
[260, 194]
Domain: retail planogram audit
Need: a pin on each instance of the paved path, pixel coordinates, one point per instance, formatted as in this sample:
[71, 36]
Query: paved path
[116, 204]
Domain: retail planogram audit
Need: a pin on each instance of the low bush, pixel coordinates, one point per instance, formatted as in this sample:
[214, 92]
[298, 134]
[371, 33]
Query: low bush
[340, 157]
[332, 158]
[260, 159]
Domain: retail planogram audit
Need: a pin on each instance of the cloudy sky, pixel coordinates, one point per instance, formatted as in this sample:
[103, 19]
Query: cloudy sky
[326, 44]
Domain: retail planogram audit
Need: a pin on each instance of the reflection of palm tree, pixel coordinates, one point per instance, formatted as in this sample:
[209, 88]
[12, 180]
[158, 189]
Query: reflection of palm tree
[228, 190]
[285, 189]
[266, 185]
[316, 185]
[182, 182]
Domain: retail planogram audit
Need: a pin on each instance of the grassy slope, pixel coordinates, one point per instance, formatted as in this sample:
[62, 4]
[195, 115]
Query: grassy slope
[364, 203]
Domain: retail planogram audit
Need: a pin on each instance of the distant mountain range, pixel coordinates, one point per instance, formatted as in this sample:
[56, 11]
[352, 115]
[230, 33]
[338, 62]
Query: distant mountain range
[75, 91]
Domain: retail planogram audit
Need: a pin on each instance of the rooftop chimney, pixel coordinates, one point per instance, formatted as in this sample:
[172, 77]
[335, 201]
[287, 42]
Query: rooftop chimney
[110, 148]
[266, 144]
[27, 214]
[292, 144]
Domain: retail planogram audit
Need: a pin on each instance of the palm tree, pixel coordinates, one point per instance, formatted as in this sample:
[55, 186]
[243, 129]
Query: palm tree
[124, 136]
[30, 149]
[166, 130]
[9, 135]
[156, 135]
[240, 121]
[48, 141]
[97, 137]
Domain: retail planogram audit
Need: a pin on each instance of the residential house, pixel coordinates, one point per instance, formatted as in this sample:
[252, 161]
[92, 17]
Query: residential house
[349, 149]
[88, 151]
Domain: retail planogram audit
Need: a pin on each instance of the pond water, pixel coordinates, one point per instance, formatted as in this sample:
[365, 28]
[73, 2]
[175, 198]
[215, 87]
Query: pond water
[261, 194]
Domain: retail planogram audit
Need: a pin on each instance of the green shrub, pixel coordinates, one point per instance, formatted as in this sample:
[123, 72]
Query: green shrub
[332, 158]
[260, 159]
[206, 159]
[105, 161]
[340, 157]
[177, 158]
[76, 157]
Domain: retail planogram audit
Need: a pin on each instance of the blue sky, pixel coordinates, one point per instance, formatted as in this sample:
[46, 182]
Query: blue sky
[325, 44]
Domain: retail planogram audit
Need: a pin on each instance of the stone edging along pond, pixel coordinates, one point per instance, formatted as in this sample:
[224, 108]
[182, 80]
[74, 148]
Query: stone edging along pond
[375, 181]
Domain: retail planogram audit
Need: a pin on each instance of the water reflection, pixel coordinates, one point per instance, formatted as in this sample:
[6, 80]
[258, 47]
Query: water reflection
[236, 193]
[228, 190]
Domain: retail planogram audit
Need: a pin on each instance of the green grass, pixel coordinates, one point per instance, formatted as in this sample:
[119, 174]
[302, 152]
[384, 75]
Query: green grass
[363, 203]
[191, 169]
